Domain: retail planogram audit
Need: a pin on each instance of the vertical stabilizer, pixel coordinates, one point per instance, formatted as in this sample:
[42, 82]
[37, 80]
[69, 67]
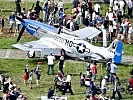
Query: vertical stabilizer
[116, 48]
[118, 52]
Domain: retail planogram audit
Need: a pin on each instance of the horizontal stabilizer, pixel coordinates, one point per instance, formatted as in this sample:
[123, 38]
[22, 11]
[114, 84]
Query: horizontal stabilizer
[86, 33]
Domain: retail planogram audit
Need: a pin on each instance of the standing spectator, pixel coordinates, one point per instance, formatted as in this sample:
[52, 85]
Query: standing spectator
[122, 4]
[119, 17]
[26, 74]
[55, 10]
[120, 33]
[94, 71]
[127, 22]
[61, 64]
[111, 3]
[38, 73]
[60, 4]
[82, 79]
[61, 16]
[94, 18]
[2, 23]
[110, 16]
[112, 72]
[18, 7]
[12, 21]
[130, 7]
[124, 8]
[103, 86]
[72, 28]
[124, 29]
[100, 19]
[75, 3]
[97, 9]
[108, 68]
[115, 7]
[64, 19]
[111, 35]
[30, 79]
[84, 9]
[90, 8]
[116, 89]
[45, 11]
[38, 8]
[18, 23]
[130, 31]
[114, 28]
[51, 59]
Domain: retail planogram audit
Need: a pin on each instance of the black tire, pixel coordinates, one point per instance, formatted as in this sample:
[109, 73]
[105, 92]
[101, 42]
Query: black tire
[30, 55]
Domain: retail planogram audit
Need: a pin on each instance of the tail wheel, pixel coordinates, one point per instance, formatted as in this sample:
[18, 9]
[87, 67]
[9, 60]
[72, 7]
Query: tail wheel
[31, 56]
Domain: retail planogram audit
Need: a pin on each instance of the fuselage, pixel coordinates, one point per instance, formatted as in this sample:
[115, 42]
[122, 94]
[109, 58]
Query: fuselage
[73, 46]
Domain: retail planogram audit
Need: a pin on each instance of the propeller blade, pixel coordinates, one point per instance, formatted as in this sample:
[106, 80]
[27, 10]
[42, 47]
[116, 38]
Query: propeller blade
[20, 34]
[59, 29]
[20, 19]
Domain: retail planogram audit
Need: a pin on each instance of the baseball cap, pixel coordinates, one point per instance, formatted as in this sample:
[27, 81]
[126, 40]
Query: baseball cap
[39, 63]
[105, 76]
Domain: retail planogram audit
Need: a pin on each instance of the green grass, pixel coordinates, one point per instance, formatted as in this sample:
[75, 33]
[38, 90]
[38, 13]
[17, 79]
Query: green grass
[15, 69]
[6, 40]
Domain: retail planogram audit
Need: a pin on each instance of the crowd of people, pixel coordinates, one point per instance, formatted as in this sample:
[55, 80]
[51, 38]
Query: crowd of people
[10, 90]
[114, 22]
[97, 92]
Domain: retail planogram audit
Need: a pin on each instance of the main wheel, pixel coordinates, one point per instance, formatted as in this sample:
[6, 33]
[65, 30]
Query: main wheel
[31, 56]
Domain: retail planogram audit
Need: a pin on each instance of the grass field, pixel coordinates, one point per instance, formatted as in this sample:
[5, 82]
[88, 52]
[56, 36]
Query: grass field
[15, 67]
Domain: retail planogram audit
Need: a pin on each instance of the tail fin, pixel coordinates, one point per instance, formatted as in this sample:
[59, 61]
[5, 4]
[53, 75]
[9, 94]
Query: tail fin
[116, 49]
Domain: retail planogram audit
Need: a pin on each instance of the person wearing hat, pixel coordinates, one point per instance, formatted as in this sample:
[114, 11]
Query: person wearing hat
[30, 79]
[103, 85]
[38, 72]
[50, 59]
[113, 71]
[130, 31]
[12, 21]
[61, 64]
[116, 89]
[26, 74]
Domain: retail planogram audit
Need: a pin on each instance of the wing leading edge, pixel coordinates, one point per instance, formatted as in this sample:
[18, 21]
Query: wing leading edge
[40, 45]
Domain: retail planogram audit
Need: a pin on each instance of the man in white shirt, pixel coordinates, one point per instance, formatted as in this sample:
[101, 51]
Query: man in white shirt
[60, 4]
[97, 8]
[51, 59]
[130, 7]
[112, 72]
[103, 86]
[130, 31]
[122, 4]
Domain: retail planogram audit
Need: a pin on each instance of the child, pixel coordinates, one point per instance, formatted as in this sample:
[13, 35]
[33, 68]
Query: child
[30, 79]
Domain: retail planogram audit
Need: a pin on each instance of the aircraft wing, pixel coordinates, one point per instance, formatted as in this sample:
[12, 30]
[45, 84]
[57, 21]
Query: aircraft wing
[39, 45]
[86, 33]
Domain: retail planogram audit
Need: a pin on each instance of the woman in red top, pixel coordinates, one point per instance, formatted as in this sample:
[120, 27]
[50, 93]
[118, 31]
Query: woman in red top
[25, 77]
[94, 71]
